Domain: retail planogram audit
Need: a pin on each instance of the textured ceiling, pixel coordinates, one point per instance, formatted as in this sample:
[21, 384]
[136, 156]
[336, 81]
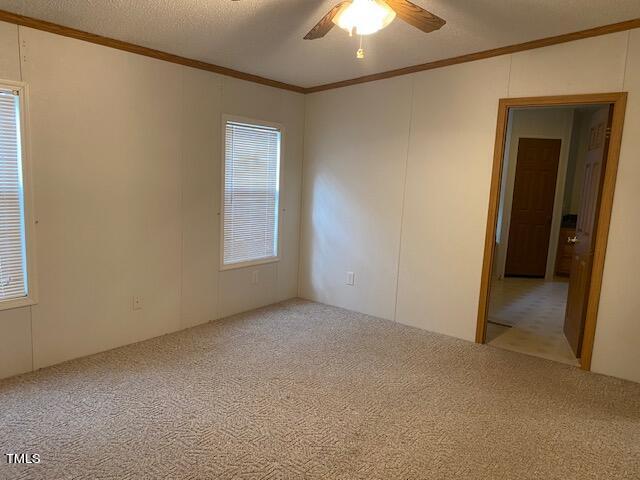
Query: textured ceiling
[264, 37]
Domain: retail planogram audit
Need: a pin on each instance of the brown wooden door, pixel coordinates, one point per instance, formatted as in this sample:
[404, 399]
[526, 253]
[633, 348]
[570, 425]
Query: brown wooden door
[532, 207]
[584, 240]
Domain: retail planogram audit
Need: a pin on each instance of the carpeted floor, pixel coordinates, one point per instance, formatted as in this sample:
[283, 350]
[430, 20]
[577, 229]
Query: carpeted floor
[303, 390]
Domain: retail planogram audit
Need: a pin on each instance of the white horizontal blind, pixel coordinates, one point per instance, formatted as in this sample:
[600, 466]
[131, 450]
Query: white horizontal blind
[13, 271]
[251, 193]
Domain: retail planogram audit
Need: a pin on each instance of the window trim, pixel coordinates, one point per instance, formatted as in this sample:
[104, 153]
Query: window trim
[261, 123]
[29, 220]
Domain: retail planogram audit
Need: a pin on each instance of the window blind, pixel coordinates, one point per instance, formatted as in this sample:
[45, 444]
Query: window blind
[13, 271]
[251, 193]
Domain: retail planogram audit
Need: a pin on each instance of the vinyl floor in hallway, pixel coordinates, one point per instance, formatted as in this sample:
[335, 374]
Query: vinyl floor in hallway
[528, 316]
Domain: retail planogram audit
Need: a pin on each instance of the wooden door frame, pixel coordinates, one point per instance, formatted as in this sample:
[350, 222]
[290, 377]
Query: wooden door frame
[618, 100]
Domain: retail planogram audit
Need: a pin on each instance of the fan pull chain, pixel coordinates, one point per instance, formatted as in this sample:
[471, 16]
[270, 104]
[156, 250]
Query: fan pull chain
[360, 52]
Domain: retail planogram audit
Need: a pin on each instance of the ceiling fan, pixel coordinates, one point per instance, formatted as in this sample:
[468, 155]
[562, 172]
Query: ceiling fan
[364, 17]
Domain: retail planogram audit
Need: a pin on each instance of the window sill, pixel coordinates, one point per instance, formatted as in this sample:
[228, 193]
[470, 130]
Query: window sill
[16, 303]
[254, 263]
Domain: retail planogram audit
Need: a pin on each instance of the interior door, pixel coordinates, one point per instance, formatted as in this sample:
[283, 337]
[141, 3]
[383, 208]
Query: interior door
[584, 240]
[532, 207]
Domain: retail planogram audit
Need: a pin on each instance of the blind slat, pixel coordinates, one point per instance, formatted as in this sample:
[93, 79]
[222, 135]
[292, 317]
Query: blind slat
[251, 193]
[13, 275]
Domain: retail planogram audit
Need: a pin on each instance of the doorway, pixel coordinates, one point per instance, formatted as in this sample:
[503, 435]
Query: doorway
[555, 165]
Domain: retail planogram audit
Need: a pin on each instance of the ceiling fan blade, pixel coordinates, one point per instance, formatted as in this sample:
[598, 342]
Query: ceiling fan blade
[415, 15]
[323, 26]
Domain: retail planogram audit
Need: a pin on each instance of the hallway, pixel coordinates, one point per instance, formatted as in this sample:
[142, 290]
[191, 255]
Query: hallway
[527, 315]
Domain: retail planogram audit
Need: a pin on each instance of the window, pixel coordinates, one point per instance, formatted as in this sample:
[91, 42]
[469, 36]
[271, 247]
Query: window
[251, 193]
[14, 284]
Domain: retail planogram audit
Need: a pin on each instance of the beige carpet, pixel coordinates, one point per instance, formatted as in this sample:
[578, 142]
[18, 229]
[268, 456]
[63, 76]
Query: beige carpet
[303, 390]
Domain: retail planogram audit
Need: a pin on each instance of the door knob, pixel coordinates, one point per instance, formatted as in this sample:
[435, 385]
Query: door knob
[572, 240]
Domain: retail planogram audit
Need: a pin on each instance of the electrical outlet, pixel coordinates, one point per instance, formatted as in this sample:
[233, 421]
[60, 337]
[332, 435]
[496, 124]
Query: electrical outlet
[137, 302]
[255, 277]
[351, 278]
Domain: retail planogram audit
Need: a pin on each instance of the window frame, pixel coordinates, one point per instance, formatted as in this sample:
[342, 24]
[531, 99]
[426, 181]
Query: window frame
[259, 123]
[29, 220]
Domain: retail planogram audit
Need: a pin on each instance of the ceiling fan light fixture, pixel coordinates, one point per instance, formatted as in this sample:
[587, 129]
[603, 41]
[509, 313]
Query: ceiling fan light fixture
[364, 17]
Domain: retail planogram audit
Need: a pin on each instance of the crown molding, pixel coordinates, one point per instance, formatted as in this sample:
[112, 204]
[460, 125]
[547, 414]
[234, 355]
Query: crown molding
[495, 52]
[50, 27]
[147, 52]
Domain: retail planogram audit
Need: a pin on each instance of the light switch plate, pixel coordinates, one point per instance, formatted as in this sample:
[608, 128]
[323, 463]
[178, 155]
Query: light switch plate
[137, 302]
[351, 278]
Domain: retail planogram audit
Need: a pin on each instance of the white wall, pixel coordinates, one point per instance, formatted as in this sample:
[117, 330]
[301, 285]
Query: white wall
[354, 181]
[396, 185]
[556, 123]
[449, 137]
[450, 156]
[127, 161]
[617, 347]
